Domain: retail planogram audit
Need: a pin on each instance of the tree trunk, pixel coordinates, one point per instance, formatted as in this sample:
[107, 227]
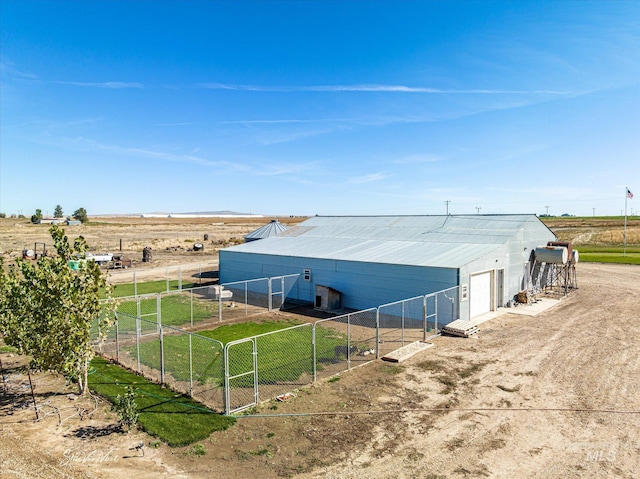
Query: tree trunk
[33, 394]
[86, 376]
[82, 377]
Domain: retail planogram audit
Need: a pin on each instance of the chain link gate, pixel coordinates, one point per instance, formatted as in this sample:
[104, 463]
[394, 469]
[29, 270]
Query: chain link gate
[240, 374]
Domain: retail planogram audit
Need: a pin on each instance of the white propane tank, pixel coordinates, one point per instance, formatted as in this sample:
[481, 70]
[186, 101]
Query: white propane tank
[551, 254]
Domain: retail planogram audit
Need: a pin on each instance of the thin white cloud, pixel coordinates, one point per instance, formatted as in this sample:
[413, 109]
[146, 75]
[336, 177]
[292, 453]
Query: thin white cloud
[115, 85]
[255, 168]
[288, 121]
[9, 69]
[377, 88]
[286, 169]
[85, 144]
[370, 178]
[417, 159]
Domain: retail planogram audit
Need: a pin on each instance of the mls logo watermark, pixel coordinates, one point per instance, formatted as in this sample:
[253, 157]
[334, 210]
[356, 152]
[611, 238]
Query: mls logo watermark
[602, 455]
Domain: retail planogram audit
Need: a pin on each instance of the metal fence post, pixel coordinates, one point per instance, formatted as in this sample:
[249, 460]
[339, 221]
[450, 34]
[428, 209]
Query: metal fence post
[269, 289]
[256, 393]
[314, 352]
[117, 340]
[220, 306]
[180, 278]
[378, 333]
[161, 356]
[138, 341]
[190, 368]
[159, 311]
[167, 278]
[424, 318]
[348, 341]
[191, 305]
[227, 394]
[138, 309]
[436, 314]
[402, 322]
[135, 285]
[283, 295]
[246, 298]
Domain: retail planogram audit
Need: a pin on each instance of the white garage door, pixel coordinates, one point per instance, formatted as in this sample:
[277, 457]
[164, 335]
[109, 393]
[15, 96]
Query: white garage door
[480, 294]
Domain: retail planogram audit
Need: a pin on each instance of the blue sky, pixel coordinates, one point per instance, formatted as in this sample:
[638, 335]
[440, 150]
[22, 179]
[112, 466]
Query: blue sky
[320, 107]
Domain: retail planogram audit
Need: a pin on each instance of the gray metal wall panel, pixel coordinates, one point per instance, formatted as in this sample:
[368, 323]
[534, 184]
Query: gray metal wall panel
[363, 285]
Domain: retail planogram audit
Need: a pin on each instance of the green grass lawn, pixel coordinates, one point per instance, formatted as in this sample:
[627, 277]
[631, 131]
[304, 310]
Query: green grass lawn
[281, 357]
[175, 309]
[148, 287]
[608, 254]
[629, 258]
[174, 418]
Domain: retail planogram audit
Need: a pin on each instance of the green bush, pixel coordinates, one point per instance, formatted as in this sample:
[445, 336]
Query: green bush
[126, 409]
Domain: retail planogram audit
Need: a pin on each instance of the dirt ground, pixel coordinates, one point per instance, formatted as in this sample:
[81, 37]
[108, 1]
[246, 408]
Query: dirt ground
[551, 396]
[171, 239]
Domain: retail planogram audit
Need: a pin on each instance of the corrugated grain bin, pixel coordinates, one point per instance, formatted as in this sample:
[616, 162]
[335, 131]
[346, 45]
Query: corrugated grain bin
[552, 254]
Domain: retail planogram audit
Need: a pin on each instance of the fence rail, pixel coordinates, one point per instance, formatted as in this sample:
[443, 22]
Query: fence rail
[242, 373]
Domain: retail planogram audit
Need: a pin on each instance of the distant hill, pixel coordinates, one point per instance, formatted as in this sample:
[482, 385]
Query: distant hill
[202, 214]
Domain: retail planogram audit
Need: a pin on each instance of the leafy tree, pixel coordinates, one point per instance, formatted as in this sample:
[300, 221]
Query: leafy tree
[57, 213]
[3, 215]
[81, 215]
[54, 313]
[36, 216]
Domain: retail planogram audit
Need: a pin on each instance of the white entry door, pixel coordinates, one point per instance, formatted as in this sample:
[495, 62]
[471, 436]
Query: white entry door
[480, 294]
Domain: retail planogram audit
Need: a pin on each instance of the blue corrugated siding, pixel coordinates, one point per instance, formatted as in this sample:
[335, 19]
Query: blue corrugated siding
[363, 285]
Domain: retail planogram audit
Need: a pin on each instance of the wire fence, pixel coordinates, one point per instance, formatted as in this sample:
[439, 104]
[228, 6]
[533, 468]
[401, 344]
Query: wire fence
[176, 278]
[203, 306]
[240, 374]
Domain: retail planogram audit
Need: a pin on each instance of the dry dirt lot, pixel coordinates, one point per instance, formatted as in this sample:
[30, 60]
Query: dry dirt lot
[551, 396]
[170, 239]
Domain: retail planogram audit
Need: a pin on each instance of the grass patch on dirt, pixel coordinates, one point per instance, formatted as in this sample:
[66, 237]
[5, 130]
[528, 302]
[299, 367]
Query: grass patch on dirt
[175, 309]
[174, 418]
[150, 287]
[285, 356]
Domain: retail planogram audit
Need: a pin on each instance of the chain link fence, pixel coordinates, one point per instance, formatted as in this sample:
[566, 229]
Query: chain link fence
[204, 306]
[242, 373]
[175, 278]
[401, 323]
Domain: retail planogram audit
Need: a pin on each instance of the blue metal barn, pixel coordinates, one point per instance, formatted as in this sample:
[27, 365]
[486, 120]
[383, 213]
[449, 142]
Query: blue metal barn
[373, 260]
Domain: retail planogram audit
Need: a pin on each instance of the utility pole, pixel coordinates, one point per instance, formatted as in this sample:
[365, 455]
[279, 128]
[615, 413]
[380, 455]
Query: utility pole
[547, 210]
[478, 208]
[447, 203]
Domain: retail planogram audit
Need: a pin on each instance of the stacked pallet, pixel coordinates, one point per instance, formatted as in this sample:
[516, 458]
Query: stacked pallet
[461, 328]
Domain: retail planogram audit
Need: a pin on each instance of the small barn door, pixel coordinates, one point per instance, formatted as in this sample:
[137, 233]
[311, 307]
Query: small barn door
[480, 292]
